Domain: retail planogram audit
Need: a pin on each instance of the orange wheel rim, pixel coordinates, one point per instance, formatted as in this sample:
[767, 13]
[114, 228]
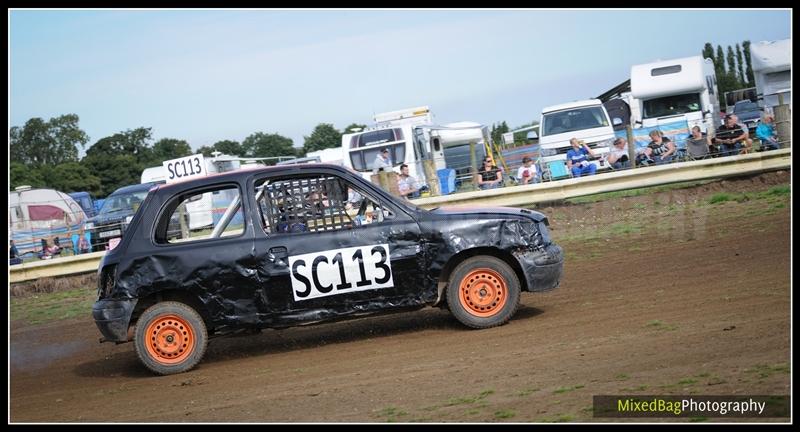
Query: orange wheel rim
[170, 339]
[483, 292]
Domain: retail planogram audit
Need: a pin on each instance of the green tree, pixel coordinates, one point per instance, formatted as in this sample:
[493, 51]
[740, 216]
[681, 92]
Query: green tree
[206, 151]
[323, 136]
[119, 160]
[73, 177]
[261, 144]
[229, 147]
[354, 126]
[21, 174]
[708, 51]
[732, 66]
[749, 66]
[719, 62]
[169, 148]
[51, 142]
[740, 63]
[498, 131]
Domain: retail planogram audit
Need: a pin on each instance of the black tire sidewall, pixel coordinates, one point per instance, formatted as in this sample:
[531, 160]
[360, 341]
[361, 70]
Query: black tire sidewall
[512, 286]
[188, 314]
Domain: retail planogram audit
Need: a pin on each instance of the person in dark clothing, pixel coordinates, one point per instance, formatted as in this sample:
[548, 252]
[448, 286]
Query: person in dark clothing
[13, 254]
[729, 137]
[661, 149]
[489, 176]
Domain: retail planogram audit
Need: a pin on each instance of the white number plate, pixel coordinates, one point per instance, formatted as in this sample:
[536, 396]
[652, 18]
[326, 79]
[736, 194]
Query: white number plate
[340, 271]
[185, 168]
[110, 233]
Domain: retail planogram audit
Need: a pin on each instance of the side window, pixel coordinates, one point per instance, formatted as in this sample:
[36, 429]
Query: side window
[200, 215]
[315, 203]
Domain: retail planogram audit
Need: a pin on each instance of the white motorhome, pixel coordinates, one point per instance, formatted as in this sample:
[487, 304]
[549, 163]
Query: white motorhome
[586, 120]
[672, 90]
[411, 138]
[772, 70]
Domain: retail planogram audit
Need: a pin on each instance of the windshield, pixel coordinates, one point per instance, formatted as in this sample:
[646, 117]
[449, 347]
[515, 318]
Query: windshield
[671, 105]
[574, 119]
[747, 106]
[127, 202]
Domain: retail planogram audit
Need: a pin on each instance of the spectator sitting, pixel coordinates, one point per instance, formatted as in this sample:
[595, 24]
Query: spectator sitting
[13, 254]
[748, 142]
[382, 162]
[618, 155]
[699, 146]
[527, 173]
[56, 248]
[765, 132]
[409, 186]
[83, 244]
[660, 149]
[489, 176]
[577, 161]
[730, 136]
[45, 253]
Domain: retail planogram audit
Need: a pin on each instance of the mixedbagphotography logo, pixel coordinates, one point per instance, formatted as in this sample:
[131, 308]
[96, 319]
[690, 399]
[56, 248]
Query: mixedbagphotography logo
[754, 406]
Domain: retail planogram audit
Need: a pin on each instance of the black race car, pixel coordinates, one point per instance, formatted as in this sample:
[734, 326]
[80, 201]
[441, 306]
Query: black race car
[294, 245]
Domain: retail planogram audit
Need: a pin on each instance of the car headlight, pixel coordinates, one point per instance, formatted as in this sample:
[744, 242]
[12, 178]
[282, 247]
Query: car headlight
[88, 226]
[128, 220]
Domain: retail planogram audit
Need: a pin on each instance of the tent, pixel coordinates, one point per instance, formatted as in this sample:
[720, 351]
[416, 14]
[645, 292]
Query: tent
[35, 214]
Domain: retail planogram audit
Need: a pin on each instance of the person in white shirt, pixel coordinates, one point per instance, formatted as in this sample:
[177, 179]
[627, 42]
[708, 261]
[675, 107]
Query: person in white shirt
[618, 155]
[527, 173]
[408, 186]
[382, 161]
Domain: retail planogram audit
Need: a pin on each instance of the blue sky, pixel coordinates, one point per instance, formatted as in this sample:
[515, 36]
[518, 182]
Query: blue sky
[205, 75]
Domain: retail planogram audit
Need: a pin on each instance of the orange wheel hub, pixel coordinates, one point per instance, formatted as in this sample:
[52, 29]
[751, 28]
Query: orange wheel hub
[170, 339]
[483, 292]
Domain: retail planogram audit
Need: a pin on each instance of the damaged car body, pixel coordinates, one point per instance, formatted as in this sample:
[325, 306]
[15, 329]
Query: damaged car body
[303, 244]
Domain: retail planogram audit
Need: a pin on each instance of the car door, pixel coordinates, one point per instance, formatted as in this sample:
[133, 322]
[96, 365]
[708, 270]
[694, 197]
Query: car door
[326, 251]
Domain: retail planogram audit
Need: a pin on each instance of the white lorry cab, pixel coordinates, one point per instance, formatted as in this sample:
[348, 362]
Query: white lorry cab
[673, 90]
[586, 120]
[411, 137]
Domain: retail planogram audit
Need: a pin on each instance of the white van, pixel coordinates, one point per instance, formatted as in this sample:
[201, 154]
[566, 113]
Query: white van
[672, 90]
[586, 120]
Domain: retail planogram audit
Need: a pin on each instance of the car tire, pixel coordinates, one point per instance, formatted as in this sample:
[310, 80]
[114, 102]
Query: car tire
[483, 292]
[170, 338]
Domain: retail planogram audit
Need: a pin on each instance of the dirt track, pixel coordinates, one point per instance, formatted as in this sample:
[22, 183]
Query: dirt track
[678, 298]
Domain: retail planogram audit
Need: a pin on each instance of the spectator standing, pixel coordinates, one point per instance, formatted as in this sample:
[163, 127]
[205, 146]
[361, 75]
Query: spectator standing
[699, 146]
[765, 132]
[729, 137]
[577, 159]
[618, 155]
[527, 173]
[489, 176]
[382, 162]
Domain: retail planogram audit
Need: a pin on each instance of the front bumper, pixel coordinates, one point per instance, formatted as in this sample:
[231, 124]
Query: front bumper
[542, 268]
[112, 318]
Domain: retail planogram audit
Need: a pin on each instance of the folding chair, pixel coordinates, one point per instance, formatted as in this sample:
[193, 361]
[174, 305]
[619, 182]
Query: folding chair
[558, 170]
